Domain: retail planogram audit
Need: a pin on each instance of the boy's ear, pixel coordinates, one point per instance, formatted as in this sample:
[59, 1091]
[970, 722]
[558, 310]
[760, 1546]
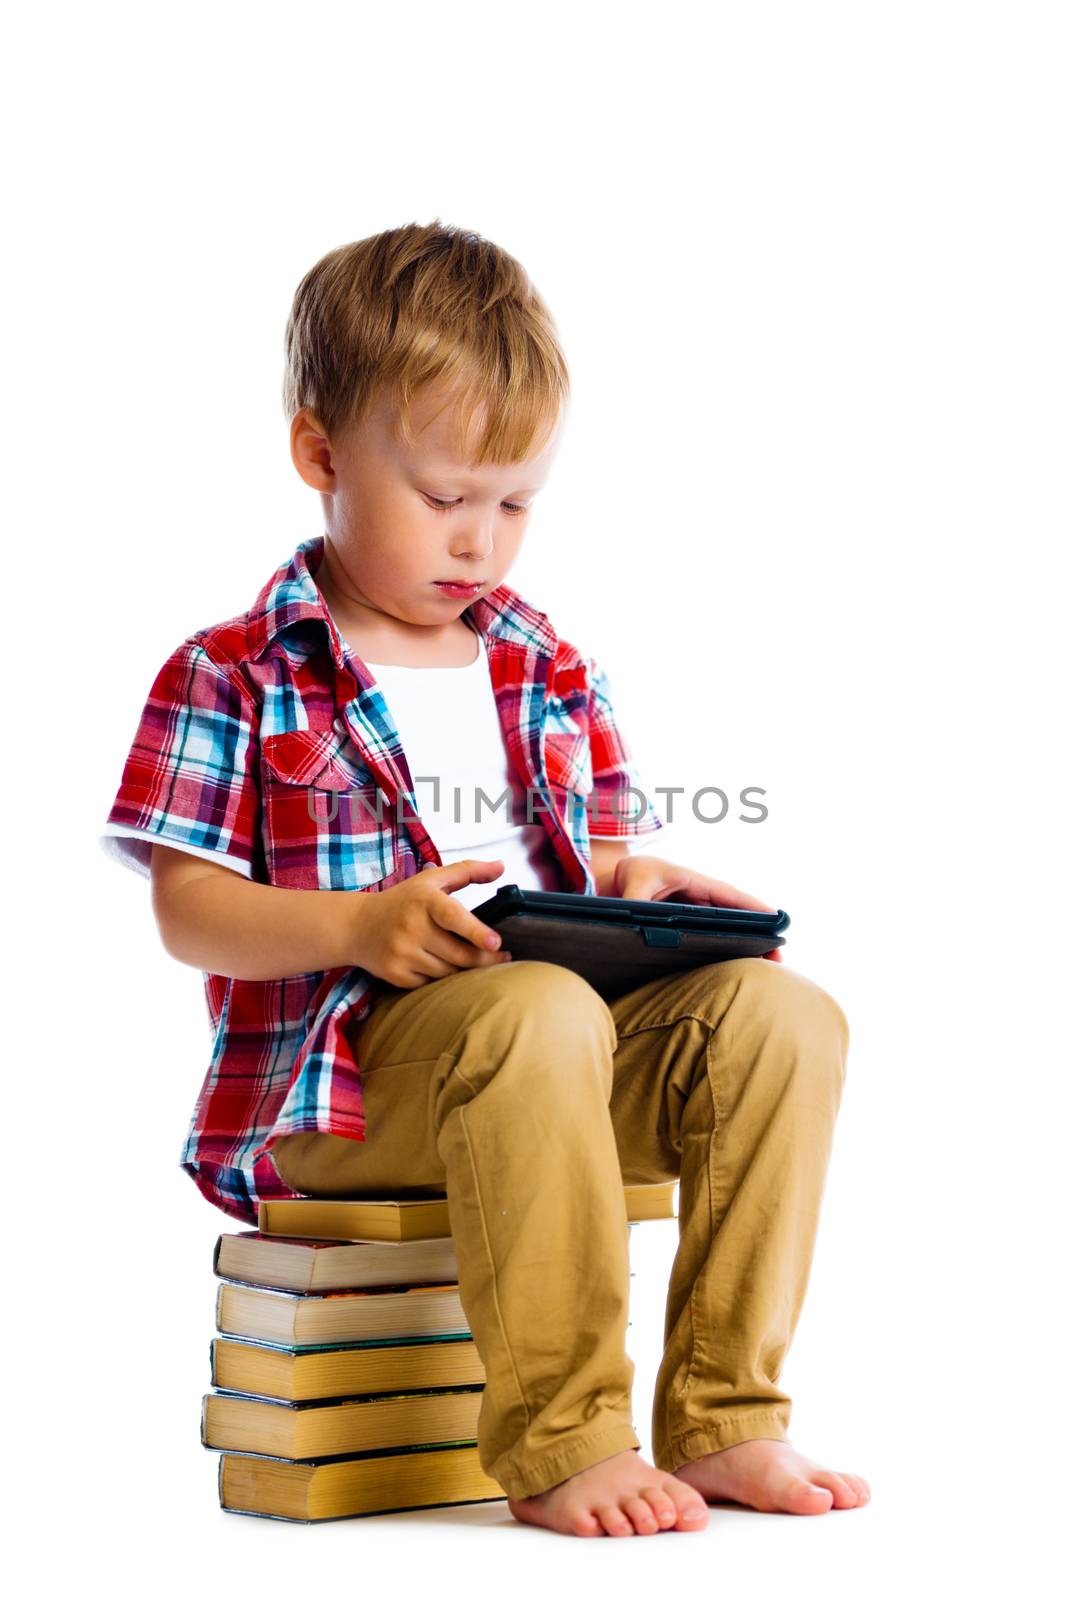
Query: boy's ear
[310, 450]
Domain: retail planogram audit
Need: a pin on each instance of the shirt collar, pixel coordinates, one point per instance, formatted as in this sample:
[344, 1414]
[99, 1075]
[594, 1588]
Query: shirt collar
[291, 598]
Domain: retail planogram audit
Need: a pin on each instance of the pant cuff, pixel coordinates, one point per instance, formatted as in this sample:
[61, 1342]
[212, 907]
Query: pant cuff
[539, 1472]
[766, 1423]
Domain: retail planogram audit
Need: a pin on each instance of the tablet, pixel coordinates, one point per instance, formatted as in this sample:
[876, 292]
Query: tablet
[618, 944]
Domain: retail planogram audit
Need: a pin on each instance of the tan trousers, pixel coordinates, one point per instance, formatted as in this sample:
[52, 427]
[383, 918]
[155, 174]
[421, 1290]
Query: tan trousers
[529, 1100]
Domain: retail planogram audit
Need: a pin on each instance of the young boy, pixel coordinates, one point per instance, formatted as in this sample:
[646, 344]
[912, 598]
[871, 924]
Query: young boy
[369, 1035]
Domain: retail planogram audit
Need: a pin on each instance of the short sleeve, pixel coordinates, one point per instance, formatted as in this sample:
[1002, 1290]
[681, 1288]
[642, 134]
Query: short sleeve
[620, 807]
[190, 778]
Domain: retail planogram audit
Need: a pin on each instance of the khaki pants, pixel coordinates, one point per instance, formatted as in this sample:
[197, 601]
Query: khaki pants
[529, 1100]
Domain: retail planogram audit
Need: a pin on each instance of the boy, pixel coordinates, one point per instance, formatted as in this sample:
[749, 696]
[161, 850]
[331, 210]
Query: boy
[377, 1040]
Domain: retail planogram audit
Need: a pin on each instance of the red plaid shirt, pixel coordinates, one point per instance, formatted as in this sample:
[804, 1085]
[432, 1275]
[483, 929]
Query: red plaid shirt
[266, 745]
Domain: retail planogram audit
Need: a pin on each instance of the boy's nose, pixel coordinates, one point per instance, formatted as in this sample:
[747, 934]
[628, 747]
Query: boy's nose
[476, 540]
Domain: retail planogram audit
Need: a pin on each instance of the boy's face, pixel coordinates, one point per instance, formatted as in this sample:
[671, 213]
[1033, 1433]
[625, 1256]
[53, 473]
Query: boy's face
[391, 542]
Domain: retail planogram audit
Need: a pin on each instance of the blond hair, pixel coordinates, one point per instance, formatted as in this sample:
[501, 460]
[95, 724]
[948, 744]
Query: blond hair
[426, 305]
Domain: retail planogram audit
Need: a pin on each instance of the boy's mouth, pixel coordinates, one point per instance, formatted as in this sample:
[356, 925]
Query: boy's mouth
[466, 590]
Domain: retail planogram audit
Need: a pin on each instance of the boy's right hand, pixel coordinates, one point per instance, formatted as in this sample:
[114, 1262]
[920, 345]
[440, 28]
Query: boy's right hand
[416, 932]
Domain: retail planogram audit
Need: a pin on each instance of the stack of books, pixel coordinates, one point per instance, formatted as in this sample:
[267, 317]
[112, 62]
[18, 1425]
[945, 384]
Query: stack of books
[345, 1377]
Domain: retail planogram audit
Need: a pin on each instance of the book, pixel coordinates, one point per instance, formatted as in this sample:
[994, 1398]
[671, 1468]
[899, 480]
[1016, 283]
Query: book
[343, 1370]
[400, 1221]
[316, 1265]
[278, 1316]
[309, 1429]
[320, 1266]
[354, 1486]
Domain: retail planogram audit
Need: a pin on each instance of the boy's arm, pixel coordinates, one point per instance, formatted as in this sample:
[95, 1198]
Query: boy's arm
[212, 918]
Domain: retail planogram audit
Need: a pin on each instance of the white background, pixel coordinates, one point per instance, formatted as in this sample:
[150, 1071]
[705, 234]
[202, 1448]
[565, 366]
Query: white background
[808, 265]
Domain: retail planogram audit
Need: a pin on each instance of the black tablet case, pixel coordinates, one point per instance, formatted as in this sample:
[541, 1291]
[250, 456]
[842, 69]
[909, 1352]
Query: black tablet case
[618, 944]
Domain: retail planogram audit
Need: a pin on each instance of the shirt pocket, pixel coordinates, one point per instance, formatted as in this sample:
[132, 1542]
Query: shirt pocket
[326, 824]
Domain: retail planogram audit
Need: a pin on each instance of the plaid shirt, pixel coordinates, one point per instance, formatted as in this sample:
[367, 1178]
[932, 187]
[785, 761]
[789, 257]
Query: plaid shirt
[266, 745]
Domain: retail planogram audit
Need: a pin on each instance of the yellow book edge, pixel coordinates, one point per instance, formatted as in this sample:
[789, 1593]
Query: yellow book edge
[378, 1221]
[408, 1480]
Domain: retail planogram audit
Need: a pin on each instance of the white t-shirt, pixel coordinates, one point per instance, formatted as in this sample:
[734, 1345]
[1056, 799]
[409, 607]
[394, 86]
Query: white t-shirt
[449, 728]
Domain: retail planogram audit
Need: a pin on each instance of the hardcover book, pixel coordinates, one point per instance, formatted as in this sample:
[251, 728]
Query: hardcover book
[397, 1221]
[354, 1486]
[337, 1371]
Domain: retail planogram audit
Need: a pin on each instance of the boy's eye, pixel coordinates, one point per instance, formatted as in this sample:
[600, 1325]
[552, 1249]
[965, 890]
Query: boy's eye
[510, 506]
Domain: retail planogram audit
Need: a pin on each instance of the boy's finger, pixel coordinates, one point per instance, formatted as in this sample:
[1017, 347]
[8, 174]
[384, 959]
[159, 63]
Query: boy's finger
[458, 874]
[458, 952]
[726, 895]
[454, 917]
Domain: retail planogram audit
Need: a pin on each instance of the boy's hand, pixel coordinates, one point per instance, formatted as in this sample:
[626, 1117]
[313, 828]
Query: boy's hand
[416, 932]
[649, 878]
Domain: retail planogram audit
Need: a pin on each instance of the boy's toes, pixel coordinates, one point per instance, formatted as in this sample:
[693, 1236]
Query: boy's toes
[691, 1507]
[845, 1493]
[641, 1514]
[612, 1520]
[807, 1498]
[663, 1507]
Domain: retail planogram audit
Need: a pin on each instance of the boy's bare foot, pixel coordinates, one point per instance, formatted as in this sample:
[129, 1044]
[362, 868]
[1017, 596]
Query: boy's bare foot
[619, 1495]
[769, 1475]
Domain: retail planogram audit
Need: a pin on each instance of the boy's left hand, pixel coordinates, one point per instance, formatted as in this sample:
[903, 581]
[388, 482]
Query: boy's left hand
[649, 878]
